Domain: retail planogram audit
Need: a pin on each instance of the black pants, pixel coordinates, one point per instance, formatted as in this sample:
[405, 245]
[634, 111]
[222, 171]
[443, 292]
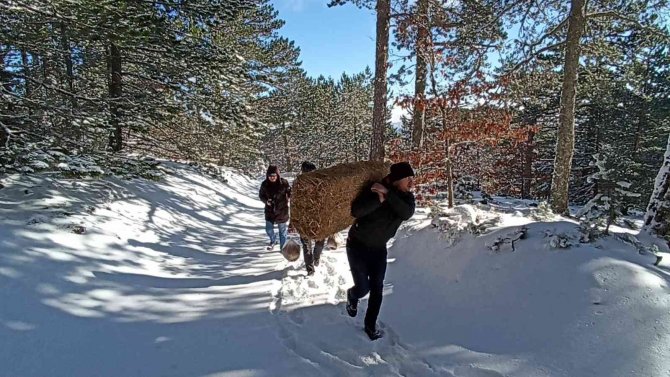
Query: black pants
[311, 251]
[368, 268]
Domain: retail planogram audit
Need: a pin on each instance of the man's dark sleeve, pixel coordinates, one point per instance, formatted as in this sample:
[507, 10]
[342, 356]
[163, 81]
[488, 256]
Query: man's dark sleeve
[365, 203]
[262, 194]
[402, 205]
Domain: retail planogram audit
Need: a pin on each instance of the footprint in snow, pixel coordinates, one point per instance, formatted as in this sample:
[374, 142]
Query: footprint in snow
[472, 371]
[297, 317]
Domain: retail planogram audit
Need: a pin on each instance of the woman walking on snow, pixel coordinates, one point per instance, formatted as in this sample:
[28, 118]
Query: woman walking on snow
[275, 192]
[379, 210]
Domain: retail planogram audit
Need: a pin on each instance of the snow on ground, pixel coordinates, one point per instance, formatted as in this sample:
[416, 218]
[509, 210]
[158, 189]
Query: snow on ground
[137, 278]
[590, 310]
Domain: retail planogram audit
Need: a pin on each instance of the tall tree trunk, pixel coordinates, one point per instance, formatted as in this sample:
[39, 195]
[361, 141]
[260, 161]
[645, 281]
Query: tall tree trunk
[657, 218]
[26, 72]
[5, 133]
[641, 126]
[355, 143]
[527, 166]
[419, 118]
[381, 65]
[643, 112]
[67, 56]
[6, 87]
[115, 93]
[447, 155]
[565, 143]
[287, 152]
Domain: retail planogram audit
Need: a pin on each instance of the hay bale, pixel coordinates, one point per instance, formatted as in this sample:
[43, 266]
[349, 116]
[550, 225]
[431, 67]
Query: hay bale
[321, 199]
[335, 241]
[291, 250]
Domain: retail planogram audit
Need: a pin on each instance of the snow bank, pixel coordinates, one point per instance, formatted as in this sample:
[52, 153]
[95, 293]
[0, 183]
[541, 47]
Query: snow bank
[598, 309]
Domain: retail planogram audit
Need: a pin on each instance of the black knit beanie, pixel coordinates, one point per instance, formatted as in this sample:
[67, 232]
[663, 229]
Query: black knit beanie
[307, 167]
[400, 170]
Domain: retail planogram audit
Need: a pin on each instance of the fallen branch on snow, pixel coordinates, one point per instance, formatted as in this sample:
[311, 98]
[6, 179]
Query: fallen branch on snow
[511, 238]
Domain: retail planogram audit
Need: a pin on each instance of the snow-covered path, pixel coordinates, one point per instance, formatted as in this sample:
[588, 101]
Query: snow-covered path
[172, 279]
[168, 279]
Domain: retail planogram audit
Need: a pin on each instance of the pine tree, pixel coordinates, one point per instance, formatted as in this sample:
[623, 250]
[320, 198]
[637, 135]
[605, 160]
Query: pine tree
[179, 79]
[612, 197]
[657, 217]
[320, 120]
[380, 113]
[605, 21]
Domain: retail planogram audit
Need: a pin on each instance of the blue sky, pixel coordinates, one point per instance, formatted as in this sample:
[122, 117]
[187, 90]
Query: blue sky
[331, 40]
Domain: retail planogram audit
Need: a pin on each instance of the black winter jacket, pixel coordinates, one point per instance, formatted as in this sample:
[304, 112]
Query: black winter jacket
[279, 192]
[376, 223]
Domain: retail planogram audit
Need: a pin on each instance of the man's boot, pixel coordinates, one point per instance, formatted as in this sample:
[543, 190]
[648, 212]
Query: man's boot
[352, 304]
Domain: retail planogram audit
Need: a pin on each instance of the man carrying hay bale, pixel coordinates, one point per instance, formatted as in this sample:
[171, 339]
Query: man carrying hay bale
[311, 249]
[379, 210]
[275, 192]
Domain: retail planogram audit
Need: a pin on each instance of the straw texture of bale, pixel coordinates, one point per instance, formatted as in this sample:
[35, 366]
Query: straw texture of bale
[335, 241]
[291, 250]
[321, 199]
